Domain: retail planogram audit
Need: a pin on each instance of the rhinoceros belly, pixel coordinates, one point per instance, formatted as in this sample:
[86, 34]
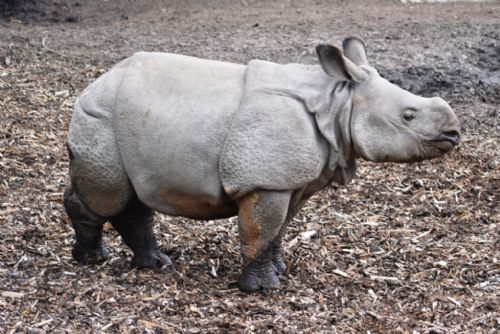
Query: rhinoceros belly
[172, 115]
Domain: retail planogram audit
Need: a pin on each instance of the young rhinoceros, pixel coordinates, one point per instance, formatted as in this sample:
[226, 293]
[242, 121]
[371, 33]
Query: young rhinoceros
[207, 139]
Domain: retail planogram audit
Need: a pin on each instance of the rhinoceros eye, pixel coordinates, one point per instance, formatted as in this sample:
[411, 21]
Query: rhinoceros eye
[409, 115]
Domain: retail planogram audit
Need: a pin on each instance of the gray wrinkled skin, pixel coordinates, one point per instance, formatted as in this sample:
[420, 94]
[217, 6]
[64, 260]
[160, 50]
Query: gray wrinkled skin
[206, 139]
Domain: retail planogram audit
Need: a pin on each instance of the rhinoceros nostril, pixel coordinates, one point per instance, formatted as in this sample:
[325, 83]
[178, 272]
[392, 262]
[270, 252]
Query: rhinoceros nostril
[451, 136]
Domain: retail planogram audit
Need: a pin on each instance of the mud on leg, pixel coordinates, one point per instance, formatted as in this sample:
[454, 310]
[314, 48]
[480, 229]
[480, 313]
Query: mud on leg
[261, 215]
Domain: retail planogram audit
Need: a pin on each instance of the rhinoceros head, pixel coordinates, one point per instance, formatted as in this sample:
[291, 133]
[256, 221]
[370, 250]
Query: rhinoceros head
[389, 123]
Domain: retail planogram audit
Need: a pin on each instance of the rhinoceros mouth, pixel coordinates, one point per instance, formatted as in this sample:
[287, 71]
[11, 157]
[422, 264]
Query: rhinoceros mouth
[447, 140]
[444, 145]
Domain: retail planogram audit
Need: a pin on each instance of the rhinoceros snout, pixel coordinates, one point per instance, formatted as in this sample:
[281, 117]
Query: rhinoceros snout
[452, 136]
[449, 135]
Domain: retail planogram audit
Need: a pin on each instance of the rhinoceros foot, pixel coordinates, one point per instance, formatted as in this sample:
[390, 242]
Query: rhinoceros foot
[90, 255]
[153, 259]
[259, 275]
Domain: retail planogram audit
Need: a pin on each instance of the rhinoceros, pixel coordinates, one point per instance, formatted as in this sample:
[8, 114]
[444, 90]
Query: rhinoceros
[207, 139]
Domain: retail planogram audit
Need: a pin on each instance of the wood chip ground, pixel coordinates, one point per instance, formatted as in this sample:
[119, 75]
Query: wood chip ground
[403, 249]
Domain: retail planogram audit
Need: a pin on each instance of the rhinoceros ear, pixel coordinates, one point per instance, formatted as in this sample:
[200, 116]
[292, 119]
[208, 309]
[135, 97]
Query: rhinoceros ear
[337, 66]
[355, 50]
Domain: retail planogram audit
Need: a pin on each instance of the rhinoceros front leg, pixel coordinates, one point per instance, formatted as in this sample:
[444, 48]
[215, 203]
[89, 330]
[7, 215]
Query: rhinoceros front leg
[135, 225]
[261, 216]
[277, 248]
[88, 230]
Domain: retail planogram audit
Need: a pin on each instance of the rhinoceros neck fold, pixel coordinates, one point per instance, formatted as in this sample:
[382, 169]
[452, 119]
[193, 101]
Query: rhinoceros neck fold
[342, 160]
[332, 111]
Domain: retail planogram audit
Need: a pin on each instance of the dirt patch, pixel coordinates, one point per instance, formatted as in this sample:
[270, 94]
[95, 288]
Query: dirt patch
[38, 11]
[404, 248]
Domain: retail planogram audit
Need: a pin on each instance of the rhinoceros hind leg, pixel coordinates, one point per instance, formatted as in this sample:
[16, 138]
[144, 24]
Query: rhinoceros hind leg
[261, 216]
[135, 225]
[89, 247]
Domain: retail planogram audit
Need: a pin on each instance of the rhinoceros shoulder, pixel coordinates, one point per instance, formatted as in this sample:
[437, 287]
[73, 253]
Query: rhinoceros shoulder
[273, 142]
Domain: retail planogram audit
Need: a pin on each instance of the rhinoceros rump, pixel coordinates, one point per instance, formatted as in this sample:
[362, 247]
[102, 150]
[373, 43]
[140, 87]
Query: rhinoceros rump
[206, 139]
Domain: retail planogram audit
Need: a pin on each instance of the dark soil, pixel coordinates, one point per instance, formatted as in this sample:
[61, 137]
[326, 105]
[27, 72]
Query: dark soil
[404, 248]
